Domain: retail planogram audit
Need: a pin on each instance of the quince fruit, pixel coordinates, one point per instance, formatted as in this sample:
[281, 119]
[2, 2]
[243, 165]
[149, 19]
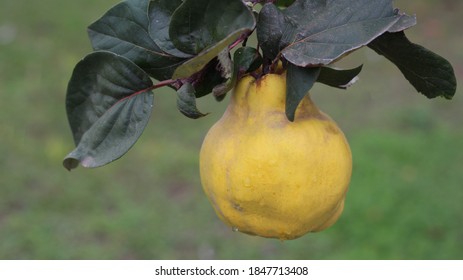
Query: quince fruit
[270, 177]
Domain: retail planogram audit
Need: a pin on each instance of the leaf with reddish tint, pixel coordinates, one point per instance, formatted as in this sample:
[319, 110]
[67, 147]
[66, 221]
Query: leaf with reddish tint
[316, 33]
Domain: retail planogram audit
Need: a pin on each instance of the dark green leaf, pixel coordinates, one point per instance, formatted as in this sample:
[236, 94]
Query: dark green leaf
[207, 27]
[299, 81]
[124, 31]
[198, 25]
[326, 46]
[429, 73]
[186, 102]
[246, 59]
[160, 13]
[113, 134]
[108, 104]
[338, 78]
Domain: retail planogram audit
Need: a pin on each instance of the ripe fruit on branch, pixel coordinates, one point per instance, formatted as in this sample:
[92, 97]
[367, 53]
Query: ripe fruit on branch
[274, 165]
[267, 176]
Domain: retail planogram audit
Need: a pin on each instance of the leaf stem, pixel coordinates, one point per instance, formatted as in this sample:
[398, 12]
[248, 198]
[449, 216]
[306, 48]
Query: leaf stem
[158, 85]
[162, 84]
[238, 41]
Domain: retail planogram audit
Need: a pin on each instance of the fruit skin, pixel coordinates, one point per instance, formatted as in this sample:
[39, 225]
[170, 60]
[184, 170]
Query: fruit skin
[270, 177]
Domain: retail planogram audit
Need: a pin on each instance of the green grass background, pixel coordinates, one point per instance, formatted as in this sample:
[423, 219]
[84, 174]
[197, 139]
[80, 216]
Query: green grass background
[405, 199]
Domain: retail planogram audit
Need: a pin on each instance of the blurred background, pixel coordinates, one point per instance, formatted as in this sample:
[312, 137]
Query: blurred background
[404, 202]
